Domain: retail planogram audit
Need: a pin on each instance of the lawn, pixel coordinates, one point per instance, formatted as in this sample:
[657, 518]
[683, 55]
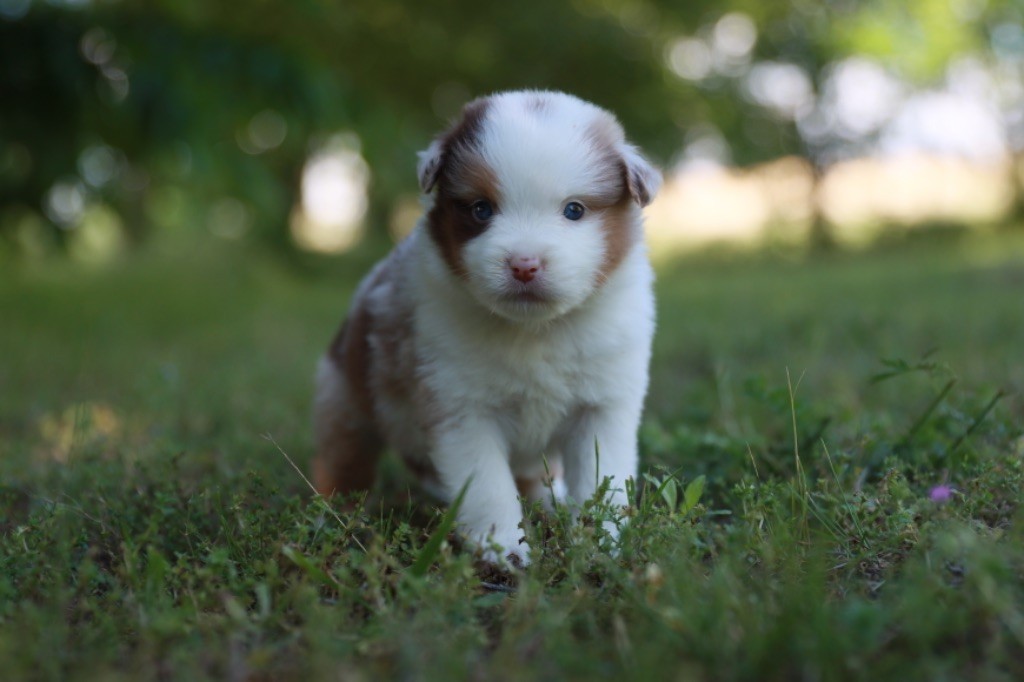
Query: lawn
[832, 464]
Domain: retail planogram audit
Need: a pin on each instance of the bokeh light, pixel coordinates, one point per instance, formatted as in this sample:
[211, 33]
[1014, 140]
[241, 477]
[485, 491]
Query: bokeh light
[265, 131]
[334, 198]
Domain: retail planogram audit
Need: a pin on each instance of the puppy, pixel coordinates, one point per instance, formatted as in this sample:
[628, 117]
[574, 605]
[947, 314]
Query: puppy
[509, 335]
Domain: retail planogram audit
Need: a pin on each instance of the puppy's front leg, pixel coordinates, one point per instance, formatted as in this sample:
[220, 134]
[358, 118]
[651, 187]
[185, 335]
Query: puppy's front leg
[473, 449]
[599, 443]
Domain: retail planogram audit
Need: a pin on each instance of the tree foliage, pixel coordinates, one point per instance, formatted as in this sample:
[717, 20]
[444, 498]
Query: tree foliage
[169, 93]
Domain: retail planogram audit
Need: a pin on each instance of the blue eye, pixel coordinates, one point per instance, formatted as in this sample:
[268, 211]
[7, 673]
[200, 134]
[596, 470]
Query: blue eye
[482, 210]
[573, 210]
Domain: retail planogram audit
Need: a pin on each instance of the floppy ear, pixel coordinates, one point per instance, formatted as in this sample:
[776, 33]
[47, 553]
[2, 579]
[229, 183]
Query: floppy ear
[642, 179]
[429, 166]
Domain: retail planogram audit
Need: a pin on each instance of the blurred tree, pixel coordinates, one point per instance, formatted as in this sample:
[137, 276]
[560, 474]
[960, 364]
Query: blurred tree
[165, 109]
[169, 105]
[172, 92]
[781, 98]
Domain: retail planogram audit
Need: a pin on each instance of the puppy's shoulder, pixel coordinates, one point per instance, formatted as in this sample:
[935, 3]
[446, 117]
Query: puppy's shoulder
[385, 290]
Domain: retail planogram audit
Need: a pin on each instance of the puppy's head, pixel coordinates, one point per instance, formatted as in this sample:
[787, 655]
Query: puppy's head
[537, 201]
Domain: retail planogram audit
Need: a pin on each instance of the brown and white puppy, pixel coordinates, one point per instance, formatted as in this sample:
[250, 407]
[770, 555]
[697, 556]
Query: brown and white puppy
[512, 328]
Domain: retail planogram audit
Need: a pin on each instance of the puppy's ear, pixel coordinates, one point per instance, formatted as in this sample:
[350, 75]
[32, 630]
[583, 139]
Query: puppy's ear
[429, 166]
[642, 179]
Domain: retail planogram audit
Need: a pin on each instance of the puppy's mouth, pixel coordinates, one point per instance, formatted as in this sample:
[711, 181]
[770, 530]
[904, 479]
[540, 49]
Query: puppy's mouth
[526, 303]
[527, 296]
[530, 293]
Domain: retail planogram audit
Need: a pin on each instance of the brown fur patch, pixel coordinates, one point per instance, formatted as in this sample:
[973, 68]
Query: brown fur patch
[621, 234]
[346, 459]
[637, 187]
[464, 178]
[618, 221]
[350, 352]
[348, 444]
[535, 488]
[527, 486]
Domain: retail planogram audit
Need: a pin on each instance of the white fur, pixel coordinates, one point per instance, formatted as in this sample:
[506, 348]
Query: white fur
[509, 382]
[518, 392]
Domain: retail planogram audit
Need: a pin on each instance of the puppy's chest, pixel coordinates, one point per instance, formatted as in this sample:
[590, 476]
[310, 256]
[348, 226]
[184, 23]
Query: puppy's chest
[530, 389]
[520, 376]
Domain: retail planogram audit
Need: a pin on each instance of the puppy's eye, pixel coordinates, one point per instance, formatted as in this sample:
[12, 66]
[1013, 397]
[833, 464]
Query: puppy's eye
[573, 210]
[482, 211]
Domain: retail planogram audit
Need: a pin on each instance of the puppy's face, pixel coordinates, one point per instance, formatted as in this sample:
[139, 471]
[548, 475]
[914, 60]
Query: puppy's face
[537, 201]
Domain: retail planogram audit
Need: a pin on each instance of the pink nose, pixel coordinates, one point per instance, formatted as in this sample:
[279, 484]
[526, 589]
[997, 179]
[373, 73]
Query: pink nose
[524, 268]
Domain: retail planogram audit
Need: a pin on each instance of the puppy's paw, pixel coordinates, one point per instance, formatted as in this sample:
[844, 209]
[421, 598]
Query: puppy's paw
[512, 553]
[519, 556]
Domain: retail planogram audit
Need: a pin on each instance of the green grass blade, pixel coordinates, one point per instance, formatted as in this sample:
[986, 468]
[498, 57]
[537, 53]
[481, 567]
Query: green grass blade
[432, 546]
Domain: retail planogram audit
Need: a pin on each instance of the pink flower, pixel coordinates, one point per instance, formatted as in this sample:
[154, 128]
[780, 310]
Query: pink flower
[941, 493]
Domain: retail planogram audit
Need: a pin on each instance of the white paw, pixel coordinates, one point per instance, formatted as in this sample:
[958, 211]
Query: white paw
[554, 494]
[558, 489]
[508, 551]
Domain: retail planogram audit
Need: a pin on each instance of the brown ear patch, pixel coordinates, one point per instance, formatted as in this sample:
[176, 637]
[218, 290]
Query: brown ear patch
[464, 177]
[637, 184]
[642, 178]
[619, 222]
[637, 176]
[621, 228]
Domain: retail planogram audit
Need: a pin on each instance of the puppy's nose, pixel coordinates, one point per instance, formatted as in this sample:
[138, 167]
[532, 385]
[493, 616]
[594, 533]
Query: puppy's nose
[524, 268]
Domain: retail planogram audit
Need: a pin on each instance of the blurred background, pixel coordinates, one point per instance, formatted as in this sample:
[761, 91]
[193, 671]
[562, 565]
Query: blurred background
[293, 126]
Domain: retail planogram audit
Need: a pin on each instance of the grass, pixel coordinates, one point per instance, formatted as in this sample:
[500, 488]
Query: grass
[801, 414]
